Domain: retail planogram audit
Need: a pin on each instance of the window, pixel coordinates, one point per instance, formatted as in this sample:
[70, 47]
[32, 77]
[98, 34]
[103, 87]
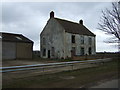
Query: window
[43, 41]
[73, 50]
[0, 37]
[82, 39]
[90, 51]
[82, 51]
[44, 52]
[73, 39]
[19, 38]
[90, 41]
[53, 51]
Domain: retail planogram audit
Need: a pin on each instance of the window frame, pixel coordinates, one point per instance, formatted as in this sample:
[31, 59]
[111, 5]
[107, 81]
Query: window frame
[90, 40]
[43, 41]
[82, 40]
[73, 38]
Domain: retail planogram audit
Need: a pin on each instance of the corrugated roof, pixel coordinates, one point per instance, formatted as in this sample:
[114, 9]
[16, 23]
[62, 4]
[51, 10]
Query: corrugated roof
[75, 28]
[14, 37]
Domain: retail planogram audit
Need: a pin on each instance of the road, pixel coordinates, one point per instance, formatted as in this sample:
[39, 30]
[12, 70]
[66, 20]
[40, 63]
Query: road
[108, 84]
[35, 75]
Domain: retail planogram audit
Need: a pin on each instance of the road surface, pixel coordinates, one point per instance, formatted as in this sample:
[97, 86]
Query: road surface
[108, 84]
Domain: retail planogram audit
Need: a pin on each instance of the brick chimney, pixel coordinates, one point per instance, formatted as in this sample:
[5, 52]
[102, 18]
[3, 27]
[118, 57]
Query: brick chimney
[81, 22]
[51, 14]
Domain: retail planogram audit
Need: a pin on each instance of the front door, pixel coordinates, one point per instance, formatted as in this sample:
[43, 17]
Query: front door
[48, 53]
[89, 50]
[73, 51]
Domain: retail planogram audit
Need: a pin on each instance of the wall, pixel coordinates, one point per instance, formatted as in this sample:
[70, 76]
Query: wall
[78, 44]
[24, 50]
[8, 50]
[54, 37]
[0, 51]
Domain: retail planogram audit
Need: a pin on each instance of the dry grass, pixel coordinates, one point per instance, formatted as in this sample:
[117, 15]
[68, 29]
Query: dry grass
[68, 79]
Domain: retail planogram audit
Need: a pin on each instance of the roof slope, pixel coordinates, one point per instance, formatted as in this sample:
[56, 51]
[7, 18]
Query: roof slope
[14, 37]
[75, 28]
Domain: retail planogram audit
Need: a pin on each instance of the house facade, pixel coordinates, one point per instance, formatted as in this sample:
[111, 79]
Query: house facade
[63, 39]
[16, 46]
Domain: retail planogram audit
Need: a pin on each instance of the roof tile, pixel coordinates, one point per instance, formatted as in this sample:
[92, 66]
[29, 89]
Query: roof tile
[14, 37]
[75, 28]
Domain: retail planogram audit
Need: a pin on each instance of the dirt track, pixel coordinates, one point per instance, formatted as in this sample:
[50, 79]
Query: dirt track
[9, 76]
[69, 79]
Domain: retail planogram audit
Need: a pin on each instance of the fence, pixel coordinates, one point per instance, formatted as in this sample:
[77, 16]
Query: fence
[51, 65]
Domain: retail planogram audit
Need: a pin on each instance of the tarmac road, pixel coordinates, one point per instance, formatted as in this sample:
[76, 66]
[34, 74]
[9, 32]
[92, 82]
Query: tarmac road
[108, 84]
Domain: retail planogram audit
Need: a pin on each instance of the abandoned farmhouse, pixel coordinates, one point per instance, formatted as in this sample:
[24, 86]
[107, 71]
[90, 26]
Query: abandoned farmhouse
[16, 46]
[64, 39]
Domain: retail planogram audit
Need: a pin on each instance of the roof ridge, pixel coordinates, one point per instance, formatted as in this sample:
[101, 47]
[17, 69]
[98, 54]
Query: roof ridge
[67, 20]
[15, 37]
[10, 33]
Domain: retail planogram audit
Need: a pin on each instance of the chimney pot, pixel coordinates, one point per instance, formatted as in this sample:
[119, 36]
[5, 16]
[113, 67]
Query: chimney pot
[51, 14]
[81, 22]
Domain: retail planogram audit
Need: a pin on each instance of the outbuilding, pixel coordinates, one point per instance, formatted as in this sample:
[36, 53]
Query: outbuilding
[16, 46]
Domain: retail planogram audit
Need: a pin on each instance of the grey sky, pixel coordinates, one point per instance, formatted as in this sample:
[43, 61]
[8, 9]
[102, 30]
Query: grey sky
[29, 18]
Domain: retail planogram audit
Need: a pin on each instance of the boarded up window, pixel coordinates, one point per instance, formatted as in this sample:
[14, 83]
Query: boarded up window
[82, 50]
[53, 51]
[73, 51]
[73, 38]
[44, 52]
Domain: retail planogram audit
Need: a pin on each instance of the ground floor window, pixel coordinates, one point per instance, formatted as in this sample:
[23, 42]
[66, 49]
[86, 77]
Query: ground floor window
[82, 50]
[53, 51]
[90, 51]
[73, 51]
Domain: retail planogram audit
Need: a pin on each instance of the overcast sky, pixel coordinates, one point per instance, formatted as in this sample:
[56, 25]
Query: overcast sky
[29, 19]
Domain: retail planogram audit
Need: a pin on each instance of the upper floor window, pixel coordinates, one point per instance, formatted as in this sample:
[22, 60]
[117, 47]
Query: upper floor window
[82, 39]
[90, 40]
[73, 38]
[19, 38]
[43, 41]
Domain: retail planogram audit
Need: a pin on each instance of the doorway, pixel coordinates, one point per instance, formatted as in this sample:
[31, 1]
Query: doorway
[90, 51]
[73, 51]
[48, 53]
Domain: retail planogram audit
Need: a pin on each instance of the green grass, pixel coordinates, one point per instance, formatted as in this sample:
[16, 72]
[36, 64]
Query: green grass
[57, 80]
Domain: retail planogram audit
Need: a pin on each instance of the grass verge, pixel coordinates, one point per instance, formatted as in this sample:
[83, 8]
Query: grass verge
[67, 79]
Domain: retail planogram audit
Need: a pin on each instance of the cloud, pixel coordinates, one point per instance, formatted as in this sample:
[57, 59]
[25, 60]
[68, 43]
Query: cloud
[101, 38]
[29, 18]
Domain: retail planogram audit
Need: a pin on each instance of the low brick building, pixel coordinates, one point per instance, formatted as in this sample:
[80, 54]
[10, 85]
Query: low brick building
[16, 46]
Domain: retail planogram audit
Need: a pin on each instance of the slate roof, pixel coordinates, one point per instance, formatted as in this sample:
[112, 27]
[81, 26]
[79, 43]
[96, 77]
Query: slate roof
[14, 37]
[75, 28]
